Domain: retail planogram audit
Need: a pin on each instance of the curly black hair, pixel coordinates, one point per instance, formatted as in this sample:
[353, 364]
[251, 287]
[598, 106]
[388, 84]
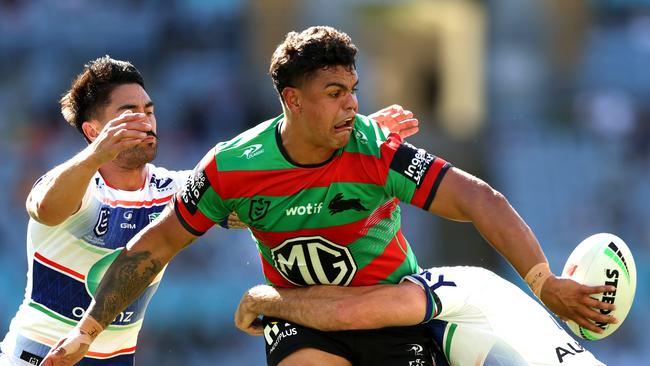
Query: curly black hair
[301, 54]
[91, 89]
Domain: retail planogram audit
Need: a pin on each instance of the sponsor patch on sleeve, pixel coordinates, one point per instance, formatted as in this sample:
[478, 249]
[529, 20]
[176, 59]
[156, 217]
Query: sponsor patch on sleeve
[411, 162]
[195, 187]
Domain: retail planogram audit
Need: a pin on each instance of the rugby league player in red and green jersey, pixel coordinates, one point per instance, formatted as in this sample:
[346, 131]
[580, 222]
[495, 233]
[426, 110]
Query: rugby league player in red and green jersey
[319, 188]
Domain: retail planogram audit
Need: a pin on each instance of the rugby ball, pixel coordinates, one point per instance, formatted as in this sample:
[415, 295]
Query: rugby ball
[603, 259]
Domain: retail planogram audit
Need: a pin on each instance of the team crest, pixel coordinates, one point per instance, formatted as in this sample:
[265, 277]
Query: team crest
[340, 204]
[258, 209]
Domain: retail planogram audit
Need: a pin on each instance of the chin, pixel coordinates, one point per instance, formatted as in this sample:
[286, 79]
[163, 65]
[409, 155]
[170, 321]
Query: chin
[136, 157]
[341, 142]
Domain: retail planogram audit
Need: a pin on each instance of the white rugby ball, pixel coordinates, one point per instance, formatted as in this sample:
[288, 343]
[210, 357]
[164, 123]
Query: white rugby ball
[603, 259]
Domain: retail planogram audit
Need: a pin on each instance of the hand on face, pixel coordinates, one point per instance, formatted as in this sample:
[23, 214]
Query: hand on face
[395, 119]
[120, 134]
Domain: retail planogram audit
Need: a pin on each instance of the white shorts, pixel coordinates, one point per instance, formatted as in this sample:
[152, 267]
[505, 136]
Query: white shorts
[475, 314]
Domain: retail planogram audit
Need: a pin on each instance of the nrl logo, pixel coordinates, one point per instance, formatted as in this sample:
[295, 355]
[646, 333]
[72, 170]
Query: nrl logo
[252, 151]
[258, 209]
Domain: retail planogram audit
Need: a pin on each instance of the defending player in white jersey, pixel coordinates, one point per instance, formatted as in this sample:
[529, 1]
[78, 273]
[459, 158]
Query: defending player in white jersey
[83, 211]
[475, 316]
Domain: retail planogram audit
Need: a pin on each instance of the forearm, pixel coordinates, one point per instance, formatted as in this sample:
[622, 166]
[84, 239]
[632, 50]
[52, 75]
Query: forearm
[63, 188]
[123, 282]
[507, 232]
[463, 197]
[138, 264]
[332, 308]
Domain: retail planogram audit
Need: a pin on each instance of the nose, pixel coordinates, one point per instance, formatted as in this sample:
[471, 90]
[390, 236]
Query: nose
[351, 102]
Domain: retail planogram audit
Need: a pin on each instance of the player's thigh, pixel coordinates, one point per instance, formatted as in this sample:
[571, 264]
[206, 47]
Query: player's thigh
[313, 357]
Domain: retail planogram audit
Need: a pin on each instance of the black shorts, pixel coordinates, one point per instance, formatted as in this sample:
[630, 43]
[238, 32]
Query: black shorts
[395, 346]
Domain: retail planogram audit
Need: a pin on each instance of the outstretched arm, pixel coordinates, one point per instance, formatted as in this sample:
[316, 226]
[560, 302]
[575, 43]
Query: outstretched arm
[332, 308]
[463, 197]
[130, 274]
[61, 190]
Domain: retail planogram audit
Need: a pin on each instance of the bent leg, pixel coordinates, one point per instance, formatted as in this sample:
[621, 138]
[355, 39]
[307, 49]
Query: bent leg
[313, 357]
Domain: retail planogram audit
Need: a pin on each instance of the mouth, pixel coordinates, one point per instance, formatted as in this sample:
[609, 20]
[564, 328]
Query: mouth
[151, 136]
[345, 125]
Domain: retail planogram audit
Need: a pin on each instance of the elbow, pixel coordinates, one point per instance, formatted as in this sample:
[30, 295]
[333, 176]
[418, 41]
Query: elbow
[42, 214]
[485, 198]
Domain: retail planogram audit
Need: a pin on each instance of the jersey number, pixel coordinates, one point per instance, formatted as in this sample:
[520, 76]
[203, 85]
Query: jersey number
[314, 260]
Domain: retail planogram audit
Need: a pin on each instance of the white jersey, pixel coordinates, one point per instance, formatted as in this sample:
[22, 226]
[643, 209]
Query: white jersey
[478, 318]
[66, 263]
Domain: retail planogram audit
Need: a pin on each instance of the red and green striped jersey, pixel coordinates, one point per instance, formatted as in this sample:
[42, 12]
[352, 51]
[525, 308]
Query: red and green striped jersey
[333, 223]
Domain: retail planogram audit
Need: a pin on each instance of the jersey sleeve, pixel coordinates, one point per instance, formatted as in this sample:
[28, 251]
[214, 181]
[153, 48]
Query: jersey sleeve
[198, 205]
[414, 174]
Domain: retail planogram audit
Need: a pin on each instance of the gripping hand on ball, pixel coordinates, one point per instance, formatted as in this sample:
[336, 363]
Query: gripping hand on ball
[572, 301]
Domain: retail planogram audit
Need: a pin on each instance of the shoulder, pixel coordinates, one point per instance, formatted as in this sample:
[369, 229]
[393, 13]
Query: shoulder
[250, 142]
[253, 149]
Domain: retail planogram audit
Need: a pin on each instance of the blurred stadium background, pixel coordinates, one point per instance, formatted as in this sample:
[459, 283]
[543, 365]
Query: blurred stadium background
[546, 100]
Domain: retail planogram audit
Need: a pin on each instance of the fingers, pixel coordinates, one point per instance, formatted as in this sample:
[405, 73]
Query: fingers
[596, 316]
[128, 116]
[597, 304]
[256, 328]
[129, 121]
[599, 289]
[235, 223]
[585, 323]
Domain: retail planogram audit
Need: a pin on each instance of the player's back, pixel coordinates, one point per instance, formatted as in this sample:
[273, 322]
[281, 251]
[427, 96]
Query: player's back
[476, 312]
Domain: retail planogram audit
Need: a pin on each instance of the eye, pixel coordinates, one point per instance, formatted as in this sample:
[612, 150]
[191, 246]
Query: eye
[149, 113]
[355, 90]
[335, 94]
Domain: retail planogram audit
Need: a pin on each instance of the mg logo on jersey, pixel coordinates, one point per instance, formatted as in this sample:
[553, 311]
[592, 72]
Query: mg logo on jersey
[101, 227]
[252, 151]
[314, 260]
[258, 208]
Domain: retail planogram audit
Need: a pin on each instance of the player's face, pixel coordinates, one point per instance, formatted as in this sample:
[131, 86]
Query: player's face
[328, 106]
[134, 98]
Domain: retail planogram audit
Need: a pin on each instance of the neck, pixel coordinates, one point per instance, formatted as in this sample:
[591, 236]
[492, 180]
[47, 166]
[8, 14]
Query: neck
[122, 178]
[299, 148]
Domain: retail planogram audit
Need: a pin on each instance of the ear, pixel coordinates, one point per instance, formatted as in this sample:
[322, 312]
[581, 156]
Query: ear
[90, 129]
[292, 98]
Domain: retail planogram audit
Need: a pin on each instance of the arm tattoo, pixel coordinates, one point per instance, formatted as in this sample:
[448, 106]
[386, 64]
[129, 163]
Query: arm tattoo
[123, 282]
